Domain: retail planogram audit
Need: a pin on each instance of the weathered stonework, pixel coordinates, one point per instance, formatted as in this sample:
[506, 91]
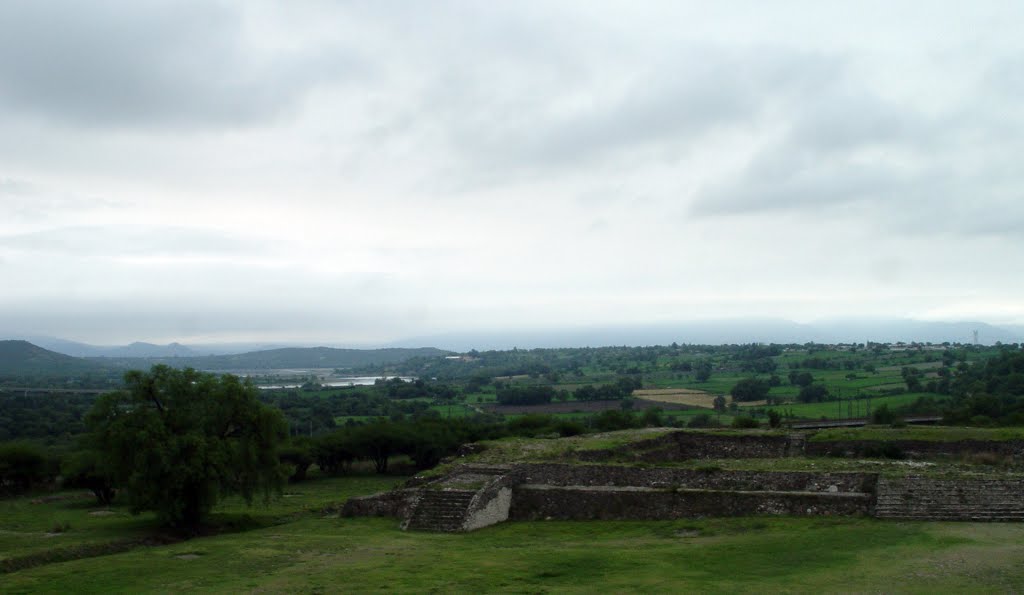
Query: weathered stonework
[474, 496]
[542, 502]
[669, 477]
[916, 449]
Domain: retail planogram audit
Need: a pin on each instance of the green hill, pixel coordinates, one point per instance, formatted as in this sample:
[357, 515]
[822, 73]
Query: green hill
[23, 360]
[289, 357]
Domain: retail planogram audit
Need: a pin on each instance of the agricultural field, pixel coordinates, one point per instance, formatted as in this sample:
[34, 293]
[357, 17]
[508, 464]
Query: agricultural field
[678, 396]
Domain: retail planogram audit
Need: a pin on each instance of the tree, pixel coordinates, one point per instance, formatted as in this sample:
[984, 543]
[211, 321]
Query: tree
[84, 469]
[176, 441]
[800, 378]
[750, 389]
[21, 467]
[812, 393]
[702, 370]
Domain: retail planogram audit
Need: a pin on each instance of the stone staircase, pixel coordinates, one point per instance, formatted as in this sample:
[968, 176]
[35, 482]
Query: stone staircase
[920, 498]
[440, 510]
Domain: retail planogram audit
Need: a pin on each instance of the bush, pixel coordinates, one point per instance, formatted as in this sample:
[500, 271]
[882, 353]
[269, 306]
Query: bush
[703, 420]
[744, 422]
[83, 470]
[21, 467]
[611, 420]
[298, 455]
[568, 428]
[750, 389]
[334, 453]
[813, 393]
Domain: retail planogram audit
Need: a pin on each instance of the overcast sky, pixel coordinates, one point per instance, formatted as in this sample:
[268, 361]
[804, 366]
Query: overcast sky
[358, 172]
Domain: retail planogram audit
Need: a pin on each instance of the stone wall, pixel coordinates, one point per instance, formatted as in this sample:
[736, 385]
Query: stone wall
[396, 503]
[538, 502]
[915, 449]
[668, 477]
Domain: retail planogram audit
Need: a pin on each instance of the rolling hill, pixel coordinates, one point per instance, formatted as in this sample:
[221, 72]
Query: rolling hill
[285, 358]
[21, 359]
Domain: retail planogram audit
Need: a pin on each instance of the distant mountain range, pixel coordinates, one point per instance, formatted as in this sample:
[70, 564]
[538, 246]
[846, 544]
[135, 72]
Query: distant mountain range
[719, 332]
[55, 356]
[22, 360]
[293, 357]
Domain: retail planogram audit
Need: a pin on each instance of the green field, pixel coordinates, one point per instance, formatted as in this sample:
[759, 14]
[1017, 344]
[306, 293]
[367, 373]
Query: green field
[932, 434]
[744, 555]
[70, 519]
[846, 409]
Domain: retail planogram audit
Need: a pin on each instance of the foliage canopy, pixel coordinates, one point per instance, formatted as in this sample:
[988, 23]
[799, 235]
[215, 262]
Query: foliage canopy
[178, 440]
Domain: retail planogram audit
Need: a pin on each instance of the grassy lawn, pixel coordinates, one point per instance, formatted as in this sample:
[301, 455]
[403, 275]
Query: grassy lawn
[745, 555]
[27, 524]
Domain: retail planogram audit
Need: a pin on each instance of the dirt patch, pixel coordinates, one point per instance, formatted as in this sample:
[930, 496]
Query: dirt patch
[679, 396]
[102, 513]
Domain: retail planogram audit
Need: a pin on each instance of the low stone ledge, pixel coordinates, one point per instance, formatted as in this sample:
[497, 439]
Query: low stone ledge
[396, 503]
[535, 502]
[669, 477]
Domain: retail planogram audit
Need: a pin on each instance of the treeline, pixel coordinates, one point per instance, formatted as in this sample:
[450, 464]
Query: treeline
[42, 415]
[989, 392]
[542, 394]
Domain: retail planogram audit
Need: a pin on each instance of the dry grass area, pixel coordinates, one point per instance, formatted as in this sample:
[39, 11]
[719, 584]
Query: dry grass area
[681, 396]
[685, 396]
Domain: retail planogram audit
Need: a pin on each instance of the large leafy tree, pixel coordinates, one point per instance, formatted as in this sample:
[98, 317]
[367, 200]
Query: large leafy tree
[176, 441]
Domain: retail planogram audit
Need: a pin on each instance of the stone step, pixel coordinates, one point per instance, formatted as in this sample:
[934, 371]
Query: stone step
[441, 510]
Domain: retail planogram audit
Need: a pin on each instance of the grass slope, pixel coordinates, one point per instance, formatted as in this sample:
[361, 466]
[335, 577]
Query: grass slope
[745, 555]
[21, 358]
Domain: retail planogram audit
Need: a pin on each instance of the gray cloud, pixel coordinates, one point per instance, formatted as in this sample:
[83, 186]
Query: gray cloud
[185, 64]
[130, 241]
[519, 164]
[24, 201]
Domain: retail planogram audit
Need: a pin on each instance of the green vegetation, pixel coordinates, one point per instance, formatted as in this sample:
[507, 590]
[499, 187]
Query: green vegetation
[936, 434]
[178, 441]
[743, 555]
[27, 523]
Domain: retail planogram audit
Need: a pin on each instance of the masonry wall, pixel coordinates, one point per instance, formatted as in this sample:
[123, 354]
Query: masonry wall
[396, 503]
[916, 449]
[667, 477]
[534, 502]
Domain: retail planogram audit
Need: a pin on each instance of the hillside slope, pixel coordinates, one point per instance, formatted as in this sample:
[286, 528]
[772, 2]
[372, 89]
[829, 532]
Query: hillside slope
[23, 359]
[289, 357]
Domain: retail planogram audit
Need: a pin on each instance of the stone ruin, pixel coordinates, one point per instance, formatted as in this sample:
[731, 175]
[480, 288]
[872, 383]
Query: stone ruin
[472, 496]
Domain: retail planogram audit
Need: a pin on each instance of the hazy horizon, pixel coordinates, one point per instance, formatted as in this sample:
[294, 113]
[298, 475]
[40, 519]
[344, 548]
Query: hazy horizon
[365, 173]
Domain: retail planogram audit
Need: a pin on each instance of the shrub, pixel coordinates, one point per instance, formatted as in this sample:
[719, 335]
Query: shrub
[298, 456]
[611, 420]
[83, 470]
[744, 422]
[703, 420]
[21, 467]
